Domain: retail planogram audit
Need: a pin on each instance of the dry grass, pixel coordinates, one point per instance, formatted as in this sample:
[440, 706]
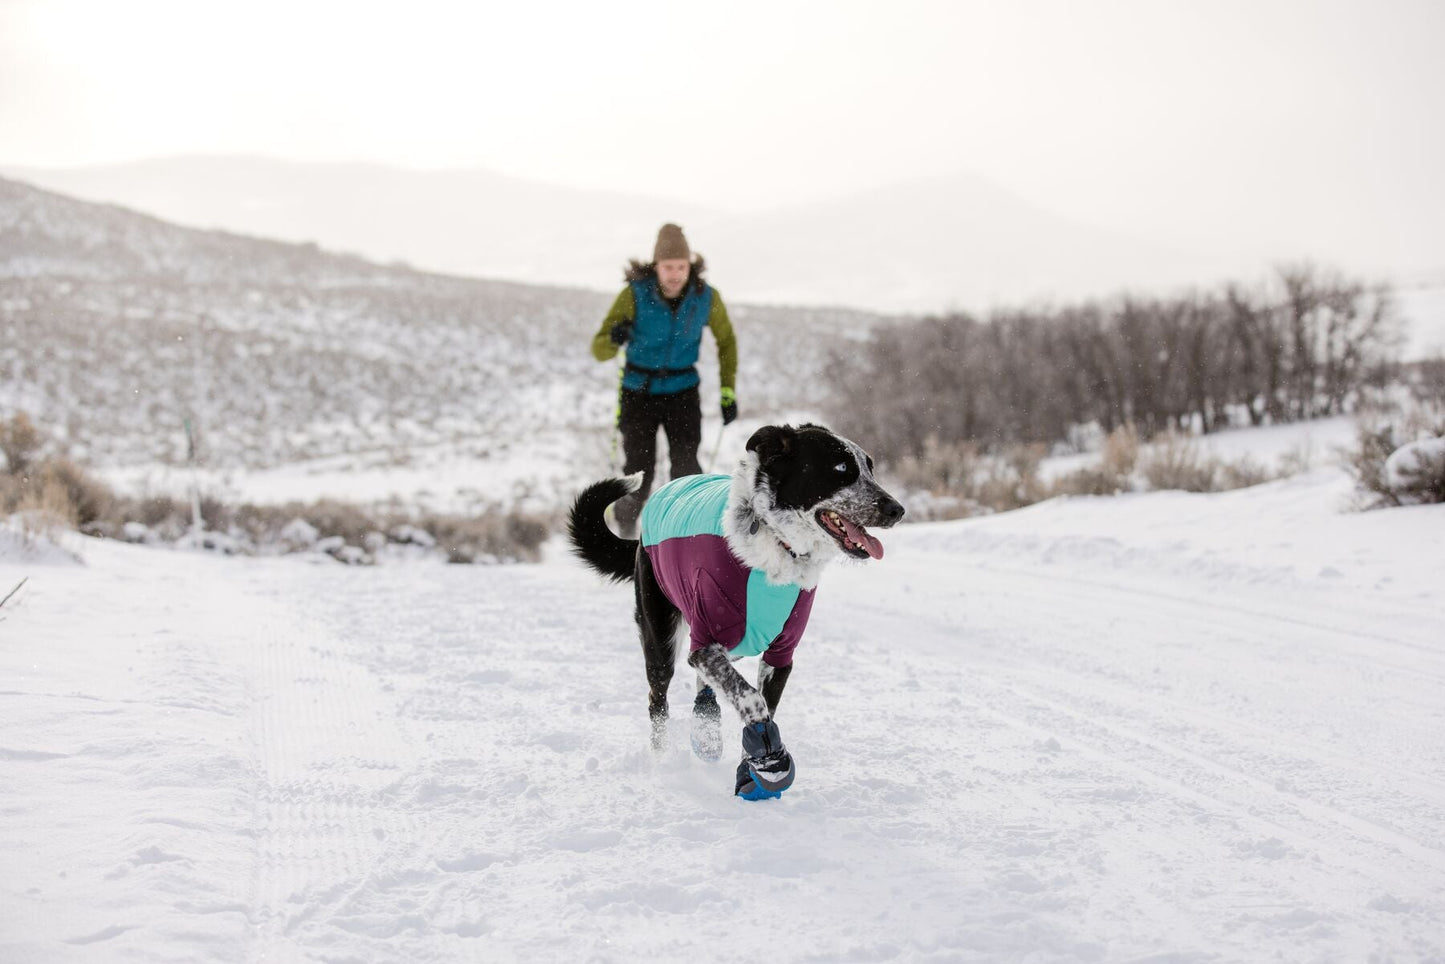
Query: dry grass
[44, 510]
[954, 479]
[1114, 473]
[961, 481]
[1174, 461]
[19, 443]
[56, 495]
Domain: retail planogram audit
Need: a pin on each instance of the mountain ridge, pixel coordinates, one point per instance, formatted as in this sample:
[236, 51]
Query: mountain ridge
[916, 246]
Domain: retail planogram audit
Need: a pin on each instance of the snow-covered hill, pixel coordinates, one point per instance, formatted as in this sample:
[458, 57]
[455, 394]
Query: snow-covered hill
[471, 223]
[921, 246]
[119, 327]
[1158, 727]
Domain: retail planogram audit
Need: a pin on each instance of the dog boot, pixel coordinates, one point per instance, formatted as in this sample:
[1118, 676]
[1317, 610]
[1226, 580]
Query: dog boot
[767, 768]
[706, 726]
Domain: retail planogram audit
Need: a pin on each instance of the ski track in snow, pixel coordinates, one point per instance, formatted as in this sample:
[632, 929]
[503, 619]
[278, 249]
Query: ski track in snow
[1005, 752]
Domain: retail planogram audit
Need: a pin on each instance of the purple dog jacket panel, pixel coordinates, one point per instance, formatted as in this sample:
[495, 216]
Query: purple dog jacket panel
[718, 596]
[780, 653]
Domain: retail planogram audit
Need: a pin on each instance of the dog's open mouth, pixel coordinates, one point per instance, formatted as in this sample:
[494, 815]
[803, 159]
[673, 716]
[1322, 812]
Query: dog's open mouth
[852, 538]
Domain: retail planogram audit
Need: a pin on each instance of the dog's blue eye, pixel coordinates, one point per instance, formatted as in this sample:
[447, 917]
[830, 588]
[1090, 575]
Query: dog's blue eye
[841, 468]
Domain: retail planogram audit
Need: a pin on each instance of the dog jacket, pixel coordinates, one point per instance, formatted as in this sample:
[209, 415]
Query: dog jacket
[722, 600]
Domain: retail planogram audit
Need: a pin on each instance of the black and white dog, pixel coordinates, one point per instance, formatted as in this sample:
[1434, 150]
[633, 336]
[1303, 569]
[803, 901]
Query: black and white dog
[733, 561]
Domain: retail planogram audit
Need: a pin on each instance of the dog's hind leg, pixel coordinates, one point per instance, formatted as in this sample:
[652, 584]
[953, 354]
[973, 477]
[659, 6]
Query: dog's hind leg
[706, 723]
[712, 664]
[657, 623]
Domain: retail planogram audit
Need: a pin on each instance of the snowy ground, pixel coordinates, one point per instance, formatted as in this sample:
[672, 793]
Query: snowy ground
[470, 476]
[539, 473]
[1159, 727]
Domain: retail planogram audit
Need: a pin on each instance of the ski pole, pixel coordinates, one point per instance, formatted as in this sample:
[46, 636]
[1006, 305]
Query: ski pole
[716, 446]
[14, 591]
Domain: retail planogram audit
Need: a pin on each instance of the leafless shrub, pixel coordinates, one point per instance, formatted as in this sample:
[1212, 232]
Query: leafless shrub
[493, 536]
[19, 442]
[944, 468]
[1174, 461]
[44, 509]
[955, 480]
[1241, 474]
[1416, 471]
[58, 491]
[1089, 480]
[1366, 461]
[156, 509]
[1114, 473]
[1427, 381]
[90, 500]
[1121, 451]
[1299, 459]
[331, 518]
[1308, 344]
[1012, 480]
[1413, 477]
[58, 495]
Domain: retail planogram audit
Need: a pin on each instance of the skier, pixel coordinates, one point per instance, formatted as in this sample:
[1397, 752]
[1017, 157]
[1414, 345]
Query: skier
[659, 317]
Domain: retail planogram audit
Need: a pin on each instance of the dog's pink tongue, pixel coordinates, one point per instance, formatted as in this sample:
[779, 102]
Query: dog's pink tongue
[861, 536]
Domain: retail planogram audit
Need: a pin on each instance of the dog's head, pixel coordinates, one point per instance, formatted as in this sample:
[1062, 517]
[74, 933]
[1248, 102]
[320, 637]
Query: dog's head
[816, 490]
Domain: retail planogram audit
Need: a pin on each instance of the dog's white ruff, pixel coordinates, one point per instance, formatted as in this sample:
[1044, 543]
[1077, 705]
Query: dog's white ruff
[808, 549]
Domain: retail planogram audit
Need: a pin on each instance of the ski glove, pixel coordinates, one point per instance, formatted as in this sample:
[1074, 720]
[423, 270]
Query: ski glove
[621, 332]
[729, 406]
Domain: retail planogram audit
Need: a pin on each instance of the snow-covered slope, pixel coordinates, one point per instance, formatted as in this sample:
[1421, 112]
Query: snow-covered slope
[467, 222]
[1163, 727]
[119, 327]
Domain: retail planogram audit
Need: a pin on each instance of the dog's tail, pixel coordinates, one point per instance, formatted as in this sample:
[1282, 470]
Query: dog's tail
[591, 540]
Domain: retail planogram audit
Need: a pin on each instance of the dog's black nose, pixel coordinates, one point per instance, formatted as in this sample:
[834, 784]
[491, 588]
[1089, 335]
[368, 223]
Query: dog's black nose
[891, 509]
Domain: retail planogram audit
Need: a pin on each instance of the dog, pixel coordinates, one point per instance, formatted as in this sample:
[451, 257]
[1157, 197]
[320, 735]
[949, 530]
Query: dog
[734, 561]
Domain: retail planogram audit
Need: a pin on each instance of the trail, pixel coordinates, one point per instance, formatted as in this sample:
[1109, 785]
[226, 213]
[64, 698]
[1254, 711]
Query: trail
[1051, 738]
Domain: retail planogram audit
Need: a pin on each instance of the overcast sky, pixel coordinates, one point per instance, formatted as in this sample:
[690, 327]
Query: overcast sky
[1198, 120]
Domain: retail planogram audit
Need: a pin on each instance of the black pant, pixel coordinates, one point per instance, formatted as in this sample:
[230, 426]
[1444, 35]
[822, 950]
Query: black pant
[680, 416]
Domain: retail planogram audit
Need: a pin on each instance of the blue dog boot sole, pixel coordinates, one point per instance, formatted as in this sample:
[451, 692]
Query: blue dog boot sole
[757, 784]
[759, 793]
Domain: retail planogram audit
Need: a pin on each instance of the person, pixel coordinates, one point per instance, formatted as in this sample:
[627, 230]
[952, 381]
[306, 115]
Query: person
[660, 317]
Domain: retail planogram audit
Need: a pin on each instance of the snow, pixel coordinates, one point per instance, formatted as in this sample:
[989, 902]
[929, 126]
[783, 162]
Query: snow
[1413, 462]
[1159, 726]
[538, 473]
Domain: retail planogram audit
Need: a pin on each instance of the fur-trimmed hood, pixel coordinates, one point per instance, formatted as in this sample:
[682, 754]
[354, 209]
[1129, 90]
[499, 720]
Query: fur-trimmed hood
[643, 271]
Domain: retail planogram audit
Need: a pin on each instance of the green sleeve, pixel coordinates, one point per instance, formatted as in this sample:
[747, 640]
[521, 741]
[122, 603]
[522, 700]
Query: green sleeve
[622, 310]
[727, 343]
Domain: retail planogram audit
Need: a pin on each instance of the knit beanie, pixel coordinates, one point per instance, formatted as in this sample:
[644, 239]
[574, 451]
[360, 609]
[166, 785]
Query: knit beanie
[671, 244]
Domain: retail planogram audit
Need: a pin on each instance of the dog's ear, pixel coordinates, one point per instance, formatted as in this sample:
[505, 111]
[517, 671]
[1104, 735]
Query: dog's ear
[773, 442]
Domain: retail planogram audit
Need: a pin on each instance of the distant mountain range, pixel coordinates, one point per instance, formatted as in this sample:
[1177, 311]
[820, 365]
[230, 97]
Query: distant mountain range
[119, 327]
[919, 246]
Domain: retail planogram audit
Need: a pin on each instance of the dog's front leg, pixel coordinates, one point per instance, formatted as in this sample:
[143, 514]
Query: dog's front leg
[713, 665]
[771, 680]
